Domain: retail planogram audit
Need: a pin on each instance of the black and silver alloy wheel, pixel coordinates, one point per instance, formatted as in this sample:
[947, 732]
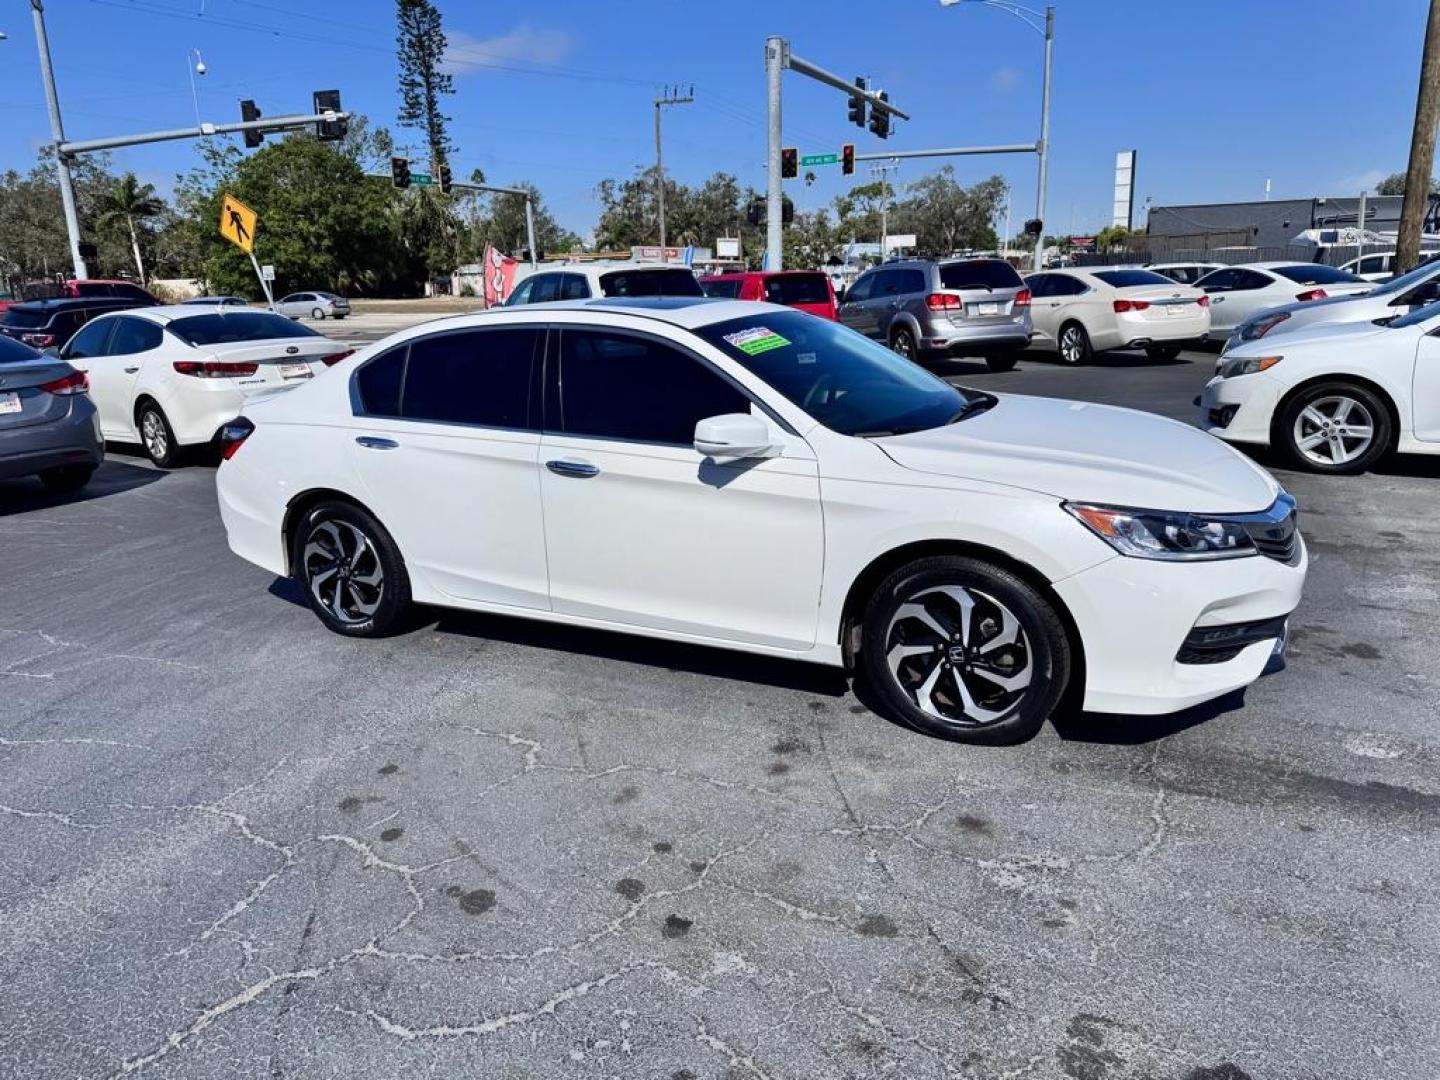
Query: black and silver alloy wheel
[959, 654]
[1334, 430]
[903, 344]
[156, 436]
[352, 573]
[343, 572]
[1074, 344]
[964, 649]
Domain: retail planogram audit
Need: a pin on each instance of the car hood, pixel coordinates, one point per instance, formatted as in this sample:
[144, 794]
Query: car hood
[1090, 453]
[1351, 331]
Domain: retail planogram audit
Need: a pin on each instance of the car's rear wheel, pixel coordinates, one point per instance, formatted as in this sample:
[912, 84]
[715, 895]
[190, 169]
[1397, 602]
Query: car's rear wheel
[1002, 361]
[157, 436]
[1334, 427]
[1074, 343]
[317, 313]
[903, 343]
[1162, 352]
[352, 573]
[964, 650]
[67, 477]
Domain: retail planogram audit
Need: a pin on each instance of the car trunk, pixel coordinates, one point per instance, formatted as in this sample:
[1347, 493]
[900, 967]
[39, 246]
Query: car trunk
[280, 362]
[1161, 302]
[983, 292]
[22, 402]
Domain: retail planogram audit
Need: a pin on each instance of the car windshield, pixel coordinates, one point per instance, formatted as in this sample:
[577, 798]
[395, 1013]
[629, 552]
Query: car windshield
[1424, 272]
[1125, 279]
[841, 379]
[1315, 274]
[222, 329]
[676, 282]
[1419, 315]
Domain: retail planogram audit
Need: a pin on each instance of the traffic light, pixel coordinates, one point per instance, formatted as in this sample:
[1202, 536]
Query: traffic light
[787, 210]
[755, 212]
[789, 163]
[857, 103]
[400, 172]
[329, 130]
[250, 111]
[847, 159]
[443, 177]
[880, 119]
[1034, 227]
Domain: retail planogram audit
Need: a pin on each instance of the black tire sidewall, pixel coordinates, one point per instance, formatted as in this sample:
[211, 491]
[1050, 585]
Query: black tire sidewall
[172, 451]
[1284, 432]
[904, 335]
[1048, 643]
[1085, 350]
[395, 600]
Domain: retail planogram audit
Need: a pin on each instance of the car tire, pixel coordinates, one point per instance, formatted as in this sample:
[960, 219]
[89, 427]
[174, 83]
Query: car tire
[937, 631]
[67, 477]
[157, 436]
[350, 570]
[1317, 428]
[1164, 353]
[902, 343]
[318, 313]
[1002, 361]
[1073, 344]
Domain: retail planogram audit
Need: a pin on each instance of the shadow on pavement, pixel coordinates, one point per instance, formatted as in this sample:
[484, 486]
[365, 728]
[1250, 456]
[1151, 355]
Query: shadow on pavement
[113, 477]
[1113, 729]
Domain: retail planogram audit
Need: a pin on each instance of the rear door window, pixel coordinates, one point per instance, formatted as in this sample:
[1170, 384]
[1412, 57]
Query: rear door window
[1250, 279]
[863, 286]
[1220, 280]
[797, 289]
[478, 377]
[979, 274]
[134, 336]
[521, 295]
[1065, 285]
[90, 341]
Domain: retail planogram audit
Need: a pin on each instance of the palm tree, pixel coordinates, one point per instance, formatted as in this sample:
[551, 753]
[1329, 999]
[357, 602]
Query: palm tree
[128, 201]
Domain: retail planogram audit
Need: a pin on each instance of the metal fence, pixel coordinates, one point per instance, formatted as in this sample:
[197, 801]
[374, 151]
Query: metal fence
[1158, 249]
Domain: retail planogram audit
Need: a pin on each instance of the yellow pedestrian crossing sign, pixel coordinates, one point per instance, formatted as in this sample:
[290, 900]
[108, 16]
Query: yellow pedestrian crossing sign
[237, 223]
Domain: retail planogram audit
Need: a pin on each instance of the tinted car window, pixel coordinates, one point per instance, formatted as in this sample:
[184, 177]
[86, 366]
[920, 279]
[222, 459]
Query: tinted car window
[1219, 280]
[727, 290]
[863, 286]
[546, 289]
[1065, 285]
[676, 282]
[1316, 274]
[1125, 279]
[220, 329]
[1250, 279]
[471, 377]
[88, 288]
[67, 322]
[133, 336]
[26, 318]
[90, 341]
[15, 352]
[574, 287]
[132, 292]
[521, 295]
[620, 386]
[979, 274]
[1040, 284]
[378, 383]
[797, 289]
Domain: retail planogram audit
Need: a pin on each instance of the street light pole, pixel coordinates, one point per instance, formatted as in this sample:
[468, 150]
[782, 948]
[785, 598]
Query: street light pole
[670, 98]
[57, 129]
[775, 49]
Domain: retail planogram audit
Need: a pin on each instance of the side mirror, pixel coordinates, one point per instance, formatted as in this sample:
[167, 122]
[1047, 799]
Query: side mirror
[732, 436]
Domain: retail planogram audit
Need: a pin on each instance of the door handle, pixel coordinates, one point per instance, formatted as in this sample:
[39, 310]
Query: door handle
[371, 442]
[1217, 299]
[581, 470]
[131, 370]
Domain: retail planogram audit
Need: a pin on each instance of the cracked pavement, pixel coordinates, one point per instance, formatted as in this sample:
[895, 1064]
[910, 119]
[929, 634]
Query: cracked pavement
[237, 845]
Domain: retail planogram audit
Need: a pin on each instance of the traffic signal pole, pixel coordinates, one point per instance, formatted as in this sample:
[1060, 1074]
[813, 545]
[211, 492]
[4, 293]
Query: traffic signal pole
[57, 130]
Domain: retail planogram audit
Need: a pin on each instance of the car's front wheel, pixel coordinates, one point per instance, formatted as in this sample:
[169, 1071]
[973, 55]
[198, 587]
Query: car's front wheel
[352, 573]
[964, 650]
[1334, 427]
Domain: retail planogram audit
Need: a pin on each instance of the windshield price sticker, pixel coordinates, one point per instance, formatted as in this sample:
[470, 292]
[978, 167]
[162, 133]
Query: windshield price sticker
[756, 340]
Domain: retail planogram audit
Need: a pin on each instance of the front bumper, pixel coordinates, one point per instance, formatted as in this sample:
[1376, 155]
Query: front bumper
[1138, 621]
[74, 439]
[1241, 409]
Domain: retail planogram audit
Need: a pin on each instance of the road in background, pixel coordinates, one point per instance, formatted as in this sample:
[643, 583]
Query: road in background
[237, 844]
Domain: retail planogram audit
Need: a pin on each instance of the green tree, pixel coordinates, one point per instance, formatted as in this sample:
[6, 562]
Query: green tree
[33, 240]
[1394, 184]
[129, 204]
[420, 48]
[946, 216]
[809, 241]
[503, 225]
[1112, 238]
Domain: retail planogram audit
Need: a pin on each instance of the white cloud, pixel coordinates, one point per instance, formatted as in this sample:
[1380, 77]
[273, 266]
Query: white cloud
[1005, 80]
[524, 44]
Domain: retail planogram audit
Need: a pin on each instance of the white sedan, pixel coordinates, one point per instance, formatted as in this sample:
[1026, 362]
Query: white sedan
[1335, 397]
[169, 377]
[1239, 292]
[1081, 312]
[744, 475]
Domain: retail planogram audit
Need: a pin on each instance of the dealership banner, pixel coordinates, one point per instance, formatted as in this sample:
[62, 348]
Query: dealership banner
[499, 276]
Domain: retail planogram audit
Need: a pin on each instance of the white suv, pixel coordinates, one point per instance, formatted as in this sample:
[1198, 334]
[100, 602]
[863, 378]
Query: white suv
[584, 281]
[744, 475]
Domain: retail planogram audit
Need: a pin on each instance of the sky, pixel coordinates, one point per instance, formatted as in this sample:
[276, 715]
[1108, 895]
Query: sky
[1217, 96]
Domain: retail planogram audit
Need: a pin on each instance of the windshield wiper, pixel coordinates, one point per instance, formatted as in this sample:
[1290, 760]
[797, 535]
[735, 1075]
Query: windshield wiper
[977, 404]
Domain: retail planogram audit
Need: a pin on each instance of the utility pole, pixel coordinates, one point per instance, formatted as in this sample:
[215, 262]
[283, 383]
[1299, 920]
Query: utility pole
[1044, 136]
[1422, 149]
[883, 172]
[775, 50]
[670, 97]
[57, 130]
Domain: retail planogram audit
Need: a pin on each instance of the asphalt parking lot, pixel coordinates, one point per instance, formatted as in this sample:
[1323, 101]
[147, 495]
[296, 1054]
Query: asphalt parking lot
[238, 845]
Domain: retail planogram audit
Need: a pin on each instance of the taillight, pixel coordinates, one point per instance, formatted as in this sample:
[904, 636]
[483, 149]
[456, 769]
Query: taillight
[1022, 298]
[334, 358]
[232, 436]
[39, 341]
[1203, 301]
[1122, 306]
[938, 301]
[1312, 294]
[215, 369]
[74, 383]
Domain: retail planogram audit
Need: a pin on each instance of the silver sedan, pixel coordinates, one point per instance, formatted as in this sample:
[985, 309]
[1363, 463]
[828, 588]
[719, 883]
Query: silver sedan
[313, 305]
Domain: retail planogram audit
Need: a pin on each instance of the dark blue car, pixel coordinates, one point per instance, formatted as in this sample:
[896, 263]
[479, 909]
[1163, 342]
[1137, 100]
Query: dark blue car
[48, 425]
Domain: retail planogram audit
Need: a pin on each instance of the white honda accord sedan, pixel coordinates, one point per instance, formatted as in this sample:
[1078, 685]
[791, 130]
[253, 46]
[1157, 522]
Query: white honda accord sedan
[749, 476]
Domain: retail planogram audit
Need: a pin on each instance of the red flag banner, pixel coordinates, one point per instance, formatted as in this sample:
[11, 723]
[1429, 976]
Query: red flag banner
[499, 276]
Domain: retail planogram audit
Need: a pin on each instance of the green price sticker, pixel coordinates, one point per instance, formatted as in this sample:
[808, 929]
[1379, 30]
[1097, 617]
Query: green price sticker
[757, 340]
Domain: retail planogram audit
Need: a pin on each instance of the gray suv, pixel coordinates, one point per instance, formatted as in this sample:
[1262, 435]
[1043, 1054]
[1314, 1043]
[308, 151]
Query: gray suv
[959, 307]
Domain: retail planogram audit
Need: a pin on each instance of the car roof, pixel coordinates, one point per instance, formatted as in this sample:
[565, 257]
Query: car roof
[1276, 264]
[164, 313]
[686, 312]
[736, 275]
[67, 303]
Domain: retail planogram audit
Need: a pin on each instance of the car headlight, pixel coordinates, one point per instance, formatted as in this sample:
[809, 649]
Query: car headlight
[1155, 534]
[1258, 328]
[1231, 366]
